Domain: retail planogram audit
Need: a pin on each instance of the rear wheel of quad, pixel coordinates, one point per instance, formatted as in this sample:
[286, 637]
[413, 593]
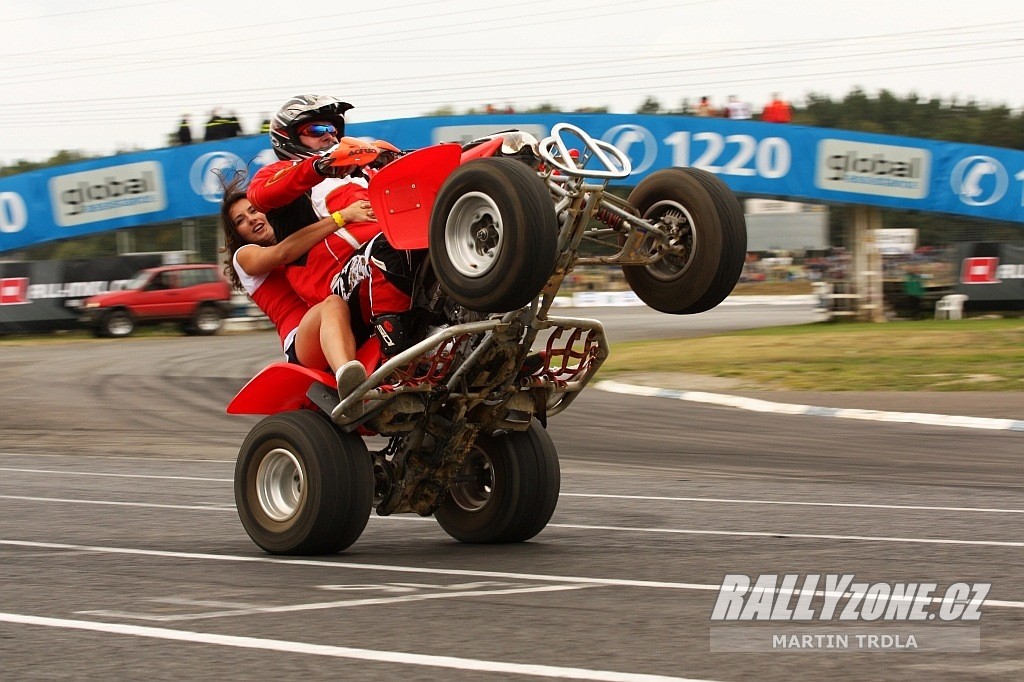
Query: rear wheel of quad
[708, 236]
[493, 235]
[302, 486]
[506, 490]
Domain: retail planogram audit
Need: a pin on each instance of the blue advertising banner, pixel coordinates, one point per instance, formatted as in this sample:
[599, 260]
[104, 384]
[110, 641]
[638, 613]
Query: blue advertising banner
[753, 158]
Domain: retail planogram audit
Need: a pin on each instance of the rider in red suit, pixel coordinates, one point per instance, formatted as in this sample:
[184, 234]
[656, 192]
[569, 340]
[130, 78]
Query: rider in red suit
[354, 262]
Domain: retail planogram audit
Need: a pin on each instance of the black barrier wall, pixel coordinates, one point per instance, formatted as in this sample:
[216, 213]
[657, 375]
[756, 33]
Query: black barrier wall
[992, 275]
[45, 295]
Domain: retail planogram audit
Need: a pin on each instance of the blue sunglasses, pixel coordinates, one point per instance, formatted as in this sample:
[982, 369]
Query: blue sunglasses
[318, 129]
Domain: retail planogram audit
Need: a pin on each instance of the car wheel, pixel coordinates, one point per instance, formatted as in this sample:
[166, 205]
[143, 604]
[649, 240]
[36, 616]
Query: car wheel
[206, 321]
[493, 235]
[707, 229]
[302, 486]
[506, 490]
[117, 323]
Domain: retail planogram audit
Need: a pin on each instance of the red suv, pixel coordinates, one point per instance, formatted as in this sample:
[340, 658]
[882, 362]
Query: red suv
[195, 295]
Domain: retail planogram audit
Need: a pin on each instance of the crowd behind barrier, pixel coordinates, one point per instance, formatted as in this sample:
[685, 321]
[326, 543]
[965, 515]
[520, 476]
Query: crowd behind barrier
[776, 110]
[218, 127]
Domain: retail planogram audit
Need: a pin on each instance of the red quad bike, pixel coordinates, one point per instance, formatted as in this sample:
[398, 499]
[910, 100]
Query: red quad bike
[465, 408]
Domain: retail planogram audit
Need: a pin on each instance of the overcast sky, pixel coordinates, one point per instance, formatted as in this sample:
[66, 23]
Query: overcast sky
[110, 75]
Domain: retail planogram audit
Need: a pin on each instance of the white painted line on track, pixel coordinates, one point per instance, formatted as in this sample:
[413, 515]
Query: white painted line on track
[147, 458]
[656, 498]
[235, 610]
[781, 535]
[785, 535]
[113, 503]
[285, 646]
[757, 405]
[322, 563]
[111, 475]
[857, 505]
[322, 606]
[576, 526]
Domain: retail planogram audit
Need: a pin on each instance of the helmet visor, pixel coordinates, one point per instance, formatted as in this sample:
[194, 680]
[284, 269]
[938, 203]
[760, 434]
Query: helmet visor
[317, 129]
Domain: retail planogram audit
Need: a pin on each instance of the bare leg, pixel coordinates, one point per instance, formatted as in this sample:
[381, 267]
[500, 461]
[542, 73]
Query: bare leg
[325, 338]
[325, 335]
[336, 336]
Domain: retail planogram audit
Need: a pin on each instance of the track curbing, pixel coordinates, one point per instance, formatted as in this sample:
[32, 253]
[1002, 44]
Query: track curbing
[758, 405]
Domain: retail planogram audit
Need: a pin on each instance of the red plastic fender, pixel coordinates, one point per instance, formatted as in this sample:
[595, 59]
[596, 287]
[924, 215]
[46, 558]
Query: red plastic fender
[402, 193]
[277, 388]
[282, 386]
[370, 355]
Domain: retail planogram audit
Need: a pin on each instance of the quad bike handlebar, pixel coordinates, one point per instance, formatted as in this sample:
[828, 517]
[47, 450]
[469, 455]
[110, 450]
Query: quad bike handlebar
[613, 163]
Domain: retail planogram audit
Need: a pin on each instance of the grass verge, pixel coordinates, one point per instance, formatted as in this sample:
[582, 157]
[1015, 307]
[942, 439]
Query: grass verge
[927, 355]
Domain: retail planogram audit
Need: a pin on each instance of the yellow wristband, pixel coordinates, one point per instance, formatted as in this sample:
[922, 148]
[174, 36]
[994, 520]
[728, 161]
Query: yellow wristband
[338, 219]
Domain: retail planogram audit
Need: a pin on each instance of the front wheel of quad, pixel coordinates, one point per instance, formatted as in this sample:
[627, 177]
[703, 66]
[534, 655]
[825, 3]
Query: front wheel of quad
[707, 241]
[302, 486]
[506, 490]
[493, 235]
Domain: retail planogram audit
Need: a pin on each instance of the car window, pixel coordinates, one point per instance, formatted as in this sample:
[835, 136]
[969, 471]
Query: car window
[140, 280]
[195, 276]
[160, 282]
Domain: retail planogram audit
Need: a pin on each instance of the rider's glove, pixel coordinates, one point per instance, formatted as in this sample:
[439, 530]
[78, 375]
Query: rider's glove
[325, 168]
[388, 153]
[343, 158]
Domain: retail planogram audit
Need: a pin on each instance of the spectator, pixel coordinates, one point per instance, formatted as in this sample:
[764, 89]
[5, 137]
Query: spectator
[184, 131]
[704, 108]
[913, 289]
[232, 128]
[777, 110]
[265, 125]
[219, 127]
[214, 127]
[737, 110]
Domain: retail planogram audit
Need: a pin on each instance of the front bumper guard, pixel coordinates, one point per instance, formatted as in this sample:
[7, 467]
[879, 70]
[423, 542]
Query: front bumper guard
[573, 351]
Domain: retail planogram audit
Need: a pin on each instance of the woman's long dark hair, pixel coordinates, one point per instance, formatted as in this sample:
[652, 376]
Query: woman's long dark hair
[234, 192]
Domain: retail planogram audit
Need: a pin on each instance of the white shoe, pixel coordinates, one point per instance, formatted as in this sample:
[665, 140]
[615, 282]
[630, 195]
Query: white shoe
[350, 375]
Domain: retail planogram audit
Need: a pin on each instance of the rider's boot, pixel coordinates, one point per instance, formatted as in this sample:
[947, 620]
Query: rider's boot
[393, 331]
[350, 375]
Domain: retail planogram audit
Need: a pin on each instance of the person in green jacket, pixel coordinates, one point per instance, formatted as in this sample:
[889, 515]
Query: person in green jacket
[913, 289]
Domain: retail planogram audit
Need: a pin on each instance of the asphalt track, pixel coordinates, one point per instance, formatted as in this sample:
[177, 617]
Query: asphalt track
[121, 556]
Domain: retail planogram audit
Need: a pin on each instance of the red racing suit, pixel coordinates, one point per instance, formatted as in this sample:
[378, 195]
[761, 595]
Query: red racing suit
[293, 195]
